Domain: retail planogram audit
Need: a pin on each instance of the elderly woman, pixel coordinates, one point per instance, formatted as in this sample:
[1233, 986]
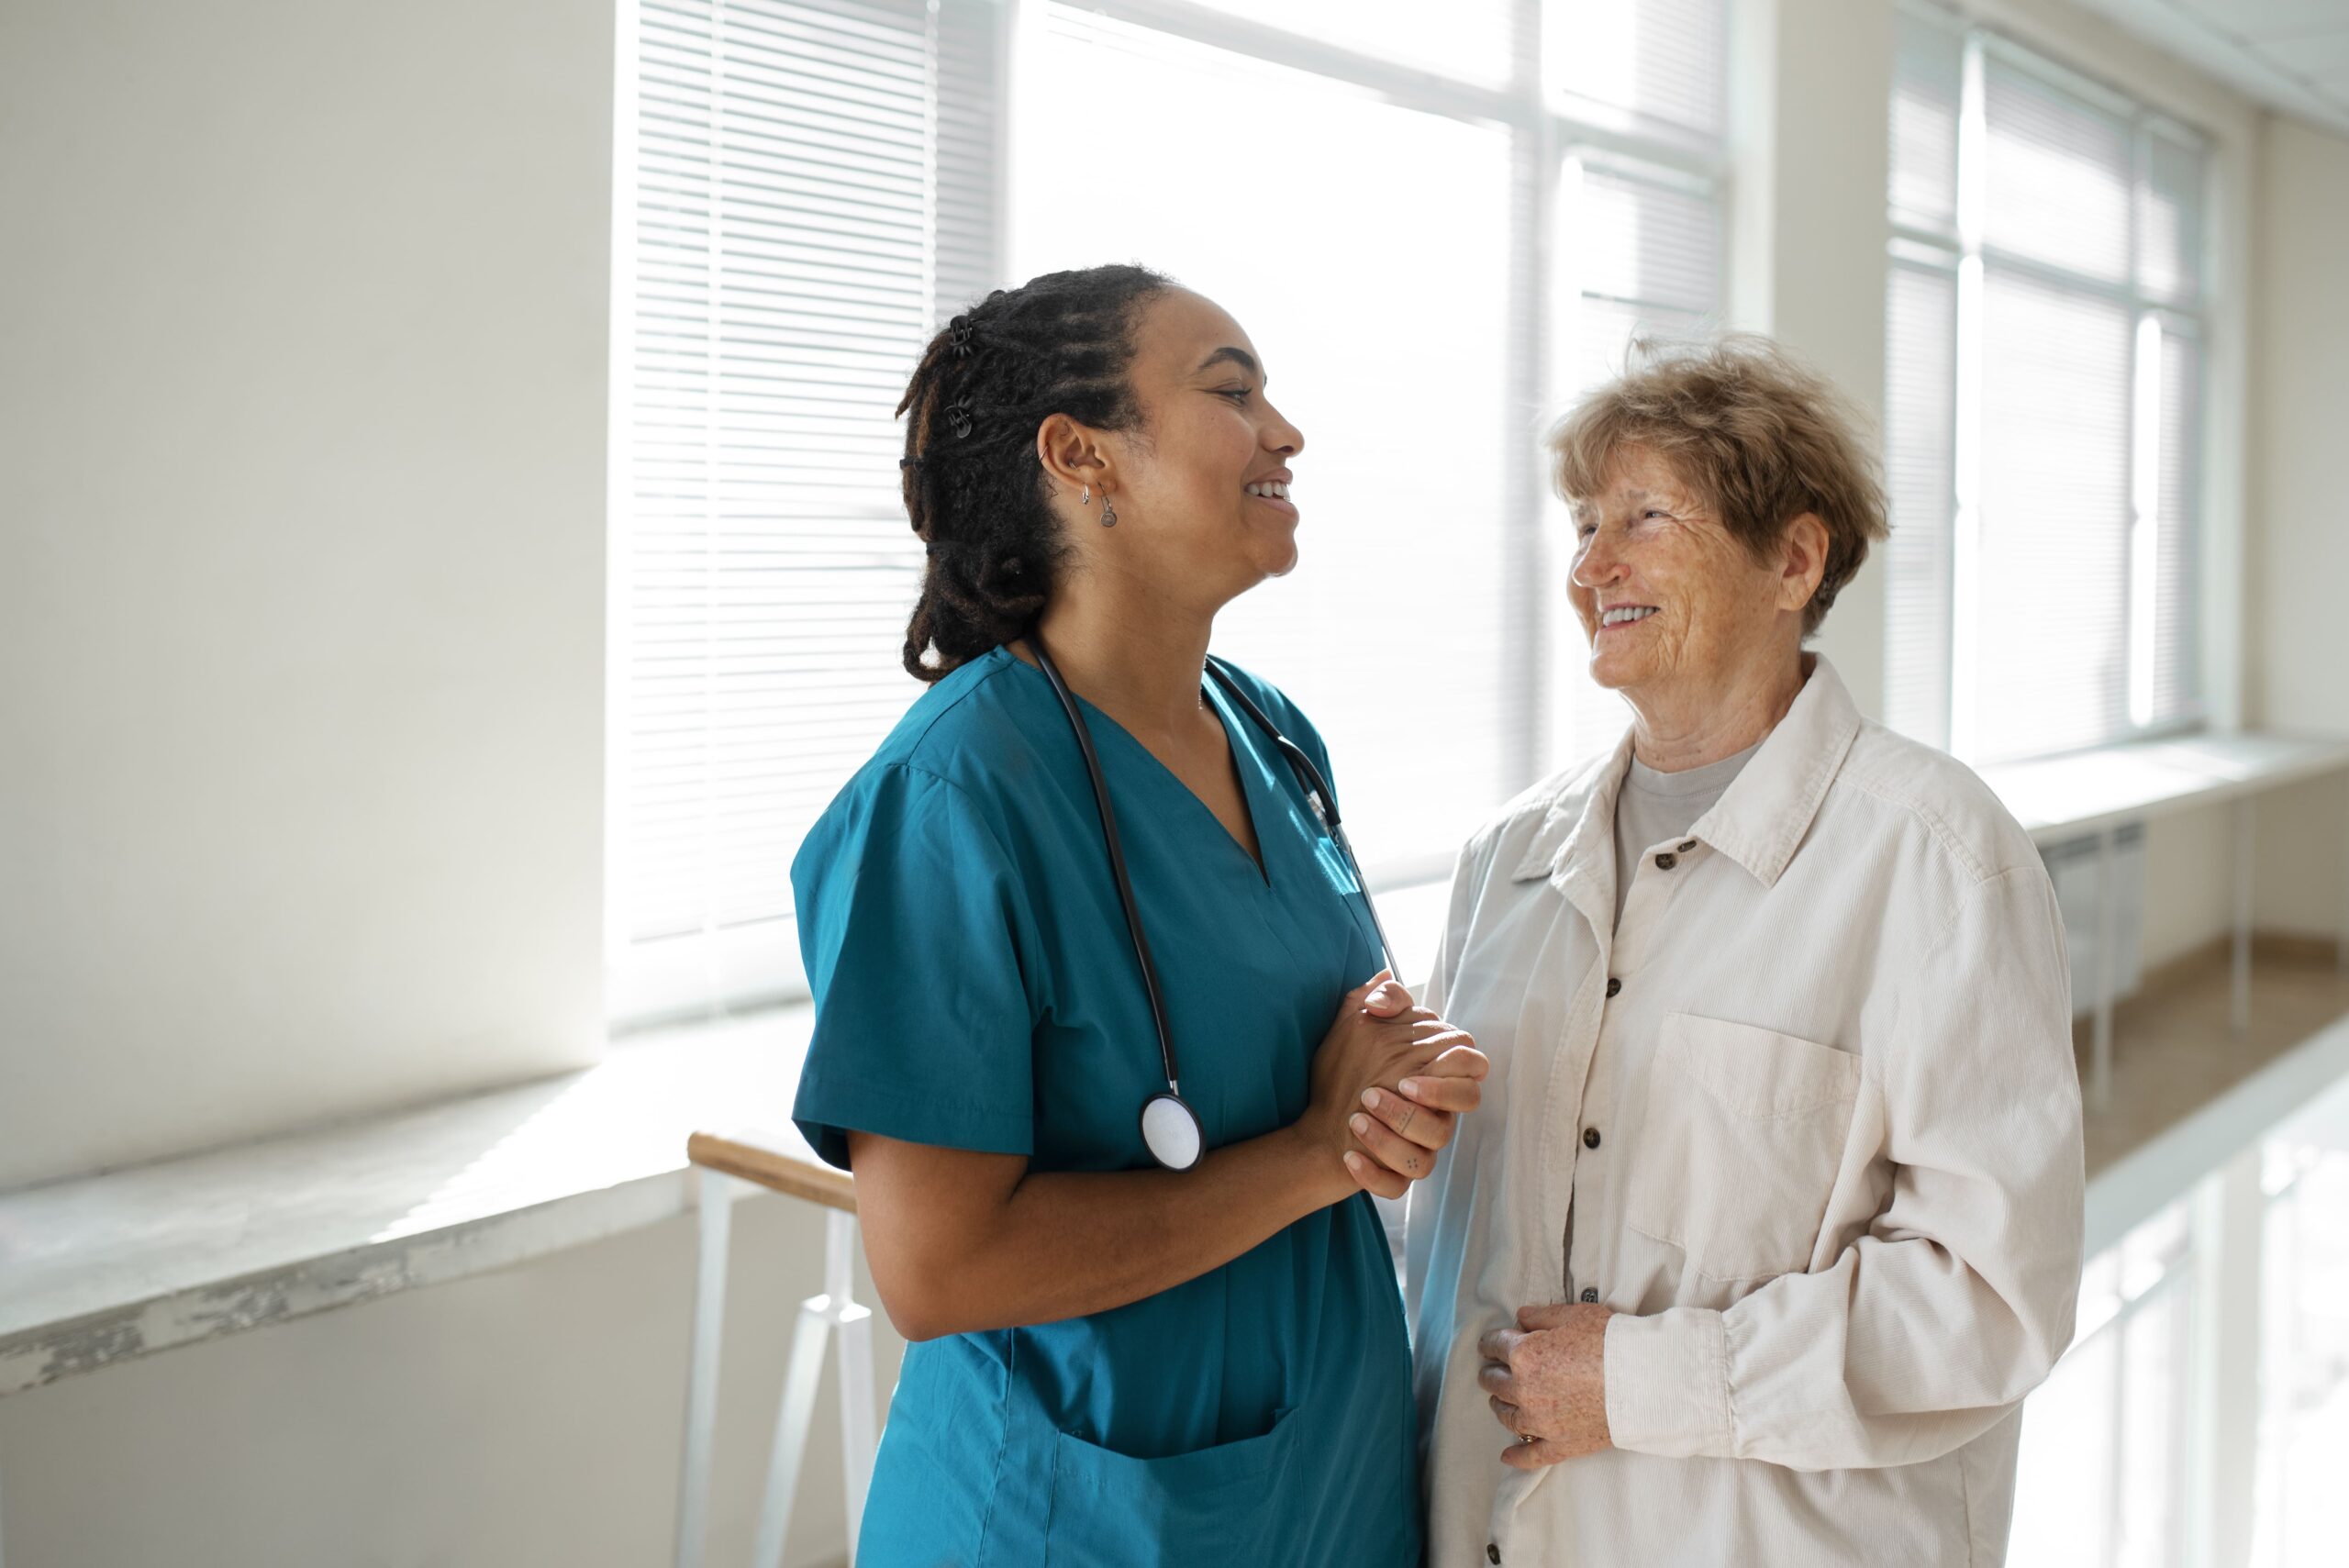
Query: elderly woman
[1780, 1216]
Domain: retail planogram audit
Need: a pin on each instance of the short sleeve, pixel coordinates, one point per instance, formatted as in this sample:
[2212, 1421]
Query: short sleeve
[913, 927]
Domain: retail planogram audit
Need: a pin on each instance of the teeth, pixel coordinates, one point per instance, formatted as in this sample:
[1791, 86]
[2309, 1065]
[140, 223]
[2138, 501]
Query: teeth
[1629, 613]
[1271, 488]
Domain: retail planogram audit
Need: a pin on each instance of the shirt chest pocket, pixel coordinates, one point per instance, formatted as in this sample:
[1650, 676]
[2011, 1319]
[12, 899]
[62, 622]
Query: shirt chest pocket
[1739, 1146]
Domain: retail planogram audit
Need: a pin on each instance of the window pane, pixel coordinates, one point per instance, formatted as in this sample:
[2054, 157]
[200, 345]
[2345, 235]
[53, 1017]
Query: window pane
[1928, 64]
[2051, 620]
[1376, 289]
[1638, 242]
[1920, 412]
[2058, 181]
[1663, 62]
[2169, 265]
[1469, 39]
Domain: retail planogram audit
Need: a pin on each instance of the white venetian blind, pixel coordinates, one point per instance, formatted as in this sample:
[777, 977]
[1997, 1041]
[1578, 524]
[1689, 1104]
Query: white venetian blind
[2057, 182]
[2170, 220]
[1637, 250]
[1660, 66]
[809, 177]
[1645, 260]
[1640, 262]
[1919, 399]
[1928, 66]
[2051, 620]
[2056, 610]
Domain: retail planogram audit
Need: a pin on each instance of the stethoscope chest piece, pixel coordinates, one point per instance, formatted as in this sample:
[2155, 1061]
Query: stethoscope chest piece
[1171, 1131]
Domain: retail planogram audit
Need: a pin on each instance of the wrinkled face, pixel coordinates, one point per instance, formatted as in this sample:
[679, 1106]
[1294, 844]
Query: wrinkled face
[1205, 481]
[1672, 604]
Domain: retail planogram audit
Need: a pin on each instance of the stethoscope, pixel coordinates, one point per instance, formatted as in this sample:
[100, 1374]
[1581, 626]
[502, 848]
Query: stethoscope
[1170, 1127]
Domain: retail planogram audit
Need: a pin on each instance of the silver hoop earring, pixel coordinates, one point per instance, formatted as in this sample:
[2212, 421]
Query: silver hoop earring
[1108, 514]
[1084, 495]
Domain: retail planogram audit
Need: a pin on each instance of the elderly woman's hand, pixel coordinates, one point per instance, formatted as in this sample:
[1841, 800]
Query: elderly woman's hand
[1547, 1378]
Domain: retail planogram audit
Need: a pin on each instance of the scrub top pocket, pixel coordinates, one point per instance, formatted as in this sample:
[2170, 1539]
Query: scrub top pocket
[1745, 1131]
[1212, 1507]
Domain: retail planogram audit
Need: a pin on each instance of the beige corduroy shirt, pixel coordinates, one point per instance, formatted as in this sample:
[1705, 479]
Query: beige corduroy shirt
[1811, 1110]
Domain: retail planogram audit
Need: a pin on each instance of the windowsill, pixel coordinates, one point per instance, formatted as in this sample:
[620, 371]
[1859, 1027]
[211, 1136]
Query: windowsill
[108, 1267]
[2088, 791]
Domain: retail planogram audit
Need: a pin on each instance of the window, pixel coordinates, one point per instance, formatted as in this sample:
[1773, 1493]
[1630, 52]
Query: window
[1436, 224]
[2044, 340]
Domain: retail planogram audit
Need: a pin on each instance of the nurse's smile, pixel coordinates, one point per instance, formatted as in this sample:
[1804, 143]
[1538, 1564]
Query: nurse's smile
[1272, 490]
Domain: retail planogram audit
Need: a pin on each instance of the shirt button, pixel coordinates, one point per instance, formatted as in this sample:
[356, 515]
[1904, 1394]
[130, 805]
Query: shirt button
[1492, 1553]
[1688, 846]
[1613, 985]
[1590, 1138]
[1667, 860]
[1590, 1293]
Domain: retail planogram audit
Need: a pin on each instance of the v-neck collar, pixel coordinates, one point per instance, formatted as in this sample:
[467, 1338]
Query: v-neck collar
[1245, 766]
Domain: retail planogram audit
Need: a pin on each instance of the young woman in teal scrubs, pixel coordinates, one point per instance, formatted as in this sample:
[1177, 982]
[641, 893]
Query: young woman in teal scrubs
[1112, 1363]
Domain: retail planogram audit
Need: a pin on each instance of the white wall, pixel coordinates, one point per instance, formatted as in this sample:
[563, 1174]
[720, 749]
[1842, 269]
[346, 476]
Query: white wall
[527, 1419]
[1809, 117]
[2299, 567]
[302, 434]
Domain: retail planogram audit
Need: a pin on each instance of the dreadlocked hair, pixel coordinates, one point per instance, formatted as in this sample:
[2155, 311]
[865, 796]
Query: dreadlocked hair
[975, 491]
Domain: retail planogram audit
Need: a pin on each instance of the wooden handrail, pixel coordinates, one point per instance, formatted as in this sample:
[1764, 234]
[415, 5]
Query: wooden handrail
[767, 1160]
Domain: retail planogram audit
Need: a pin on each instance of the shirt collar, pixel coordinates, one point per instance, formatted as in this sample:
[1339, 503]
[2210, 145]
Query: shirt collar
[1757, 822]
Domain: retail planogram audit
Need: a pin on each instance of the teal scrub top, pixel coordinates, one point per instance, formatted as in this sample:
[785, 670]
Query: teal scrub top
[975, 988]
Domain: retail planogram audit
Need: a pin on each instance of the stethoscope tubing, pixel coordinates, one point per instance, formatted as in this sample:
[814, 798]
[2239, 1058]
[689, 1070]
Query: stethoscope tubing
[1117, 856]
[1319, 795]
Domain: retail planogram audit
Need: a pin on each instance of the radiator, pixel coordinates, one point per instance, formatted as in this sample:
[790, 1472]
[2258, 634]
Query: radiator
[2072, 864]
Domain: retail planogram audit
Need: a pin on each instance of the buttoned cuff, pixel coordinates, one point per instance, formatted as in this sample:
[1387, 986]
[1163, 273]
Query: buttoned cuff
[1667, 1383]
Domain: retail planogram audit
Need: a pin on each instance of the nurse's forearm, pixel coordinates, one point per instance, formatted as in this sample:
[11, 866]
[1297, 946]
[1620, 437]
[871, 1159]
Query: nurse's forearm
[959, 1241]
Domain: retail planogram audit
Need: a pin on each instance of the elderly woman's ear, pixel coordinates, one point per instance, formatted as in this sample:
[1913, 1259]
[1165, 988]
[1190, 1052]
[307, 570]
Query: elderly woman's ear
[1804, 544]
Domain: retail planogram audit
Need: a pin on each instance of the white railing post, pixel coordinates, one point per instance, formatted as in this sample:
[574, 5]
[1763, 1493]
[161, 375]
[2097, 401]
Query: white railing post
[821, 1316]
[859, 1437]
[717, 1193]
[2107, 929]
[2229, 1211]
[2246, 849]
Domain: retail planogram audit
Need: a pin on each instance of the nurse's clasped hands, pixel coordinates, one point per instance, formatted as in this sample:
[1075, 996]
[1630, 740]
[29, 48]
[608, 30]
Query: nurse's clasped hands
[1391, 1081]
